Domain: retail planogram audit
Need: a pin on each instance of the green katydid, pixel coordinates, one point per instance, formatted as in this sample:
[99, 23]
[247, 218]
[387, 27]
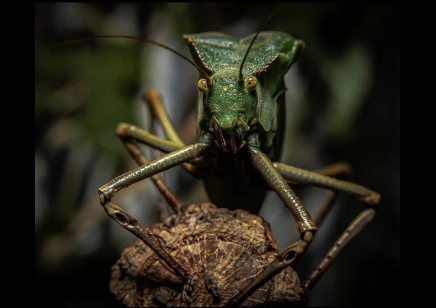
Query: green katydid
[240, 128]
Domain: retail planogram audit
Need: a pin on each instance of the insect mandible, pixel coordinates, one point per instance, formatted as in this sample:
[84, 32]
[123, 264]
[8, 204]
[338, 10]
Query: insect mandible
[240, 126]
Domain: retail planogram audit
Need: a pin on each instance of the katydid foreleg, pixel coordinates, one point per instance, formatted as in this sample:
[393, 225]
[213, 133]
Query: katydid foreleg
[140, 159]
[305, 224]
[124, 219]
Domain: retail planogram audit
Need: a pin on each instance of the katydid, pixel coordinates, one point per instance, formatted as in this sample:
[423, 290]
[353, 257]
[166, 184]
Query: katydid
[240, 127]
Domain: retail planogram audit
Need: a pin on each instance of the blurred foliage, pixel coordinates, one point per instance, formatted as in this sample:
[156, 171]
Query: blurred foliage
[63, 81]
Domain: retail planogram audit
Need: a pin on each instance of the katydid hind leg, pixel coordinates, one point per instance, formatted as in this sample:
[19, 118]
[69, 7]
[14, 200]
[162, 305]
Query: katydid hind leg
[353, 229]
[301, 176]
[341, 170]
[326, 205]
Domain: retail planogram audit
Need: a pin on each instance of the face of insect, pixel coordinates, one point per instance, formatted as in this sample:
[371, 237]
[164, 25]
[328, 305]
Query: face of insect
[229, 104]
[239, 92]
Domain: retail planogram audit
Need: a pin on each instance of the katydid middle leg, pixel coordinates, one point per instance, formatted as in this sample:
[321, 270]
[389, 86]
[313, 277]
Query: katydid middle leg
[173, 141]
[355, 227]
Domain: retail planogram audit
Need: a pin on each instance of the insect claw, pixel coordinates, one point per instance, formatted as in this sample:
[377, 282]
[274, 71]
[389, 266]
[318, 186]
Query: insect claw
[102, 198]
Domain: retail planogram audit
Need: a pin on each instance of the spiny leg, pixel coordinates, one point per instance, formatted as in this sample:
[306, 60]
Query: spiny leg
[156, 166]
[179, 155]
[323, 178]
[123, 218]
[126, 133]
[301, 176]
[358, 224]
[140, 159]
[341, 170]
[128, 222]
[325, 206]
[172, 201]
[305, 224]
[132, 132]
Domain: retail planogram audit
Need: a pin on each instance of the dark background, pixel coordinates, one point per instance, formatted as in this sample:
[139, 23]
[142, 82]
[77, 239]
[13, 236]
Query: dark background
[343, 104]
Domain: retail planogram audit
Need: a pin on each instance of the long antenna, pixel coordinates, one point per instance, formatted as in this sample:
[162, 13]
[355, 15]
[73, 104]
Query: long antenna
[137, 38]
[252, 41]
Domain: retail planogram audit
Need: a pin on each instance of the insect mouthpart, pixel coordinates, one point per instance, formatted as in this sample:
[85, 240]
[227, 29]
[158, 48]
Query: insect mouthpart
[229, 133]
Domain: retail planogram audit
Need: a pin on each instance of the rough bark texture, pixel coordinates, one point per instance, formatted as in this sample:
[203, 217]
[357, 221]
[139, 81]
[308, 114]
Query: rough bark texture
[222, 250]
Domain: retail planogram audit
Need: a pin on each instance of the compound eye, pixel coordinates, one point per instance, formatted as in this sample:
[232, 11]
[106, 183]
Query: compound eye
[250, 83]
[202, 85]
